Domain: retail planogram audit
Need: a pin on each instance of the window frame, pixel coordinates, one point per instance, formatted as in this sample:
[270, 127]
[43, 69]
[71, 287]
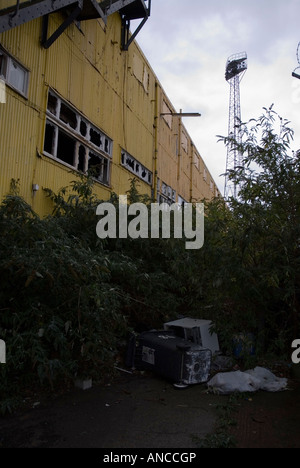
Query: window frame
[197, 161]
[167, 114]
[184, 142]
[134, 166]
[79, 129]
[6, 65]
[167, 194]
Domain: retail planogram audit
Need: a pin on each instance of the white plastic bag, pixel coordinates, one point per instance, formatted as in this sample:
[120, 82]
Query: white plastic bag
[231, 382]
[269, 381]
[249, 381]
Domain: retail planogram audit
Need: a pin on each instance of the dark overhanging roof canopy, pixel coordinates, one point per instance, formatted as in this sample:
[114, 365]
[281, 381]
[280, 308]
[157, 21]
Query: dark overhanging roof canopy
[22, 11]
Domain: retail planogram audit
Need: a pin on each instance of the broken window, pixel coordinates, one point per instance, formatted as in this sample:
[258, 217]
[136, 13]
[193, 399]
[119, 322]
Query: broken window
[52, 104]
[168, 195]
[65, 148]
[134, 166]
[181, 201]
[95, 137]
[107, 146]
[68, 116]
[49, 138]
[81, 159]
[98, 167]
[106, 165]
[70, 138]
[158, 188]
[83, 128]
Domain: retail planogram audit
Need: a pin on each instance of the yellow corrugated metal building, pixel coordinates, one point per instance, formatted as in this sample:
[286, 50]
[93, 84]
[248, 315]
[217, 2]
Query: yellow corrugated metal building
[85, 103]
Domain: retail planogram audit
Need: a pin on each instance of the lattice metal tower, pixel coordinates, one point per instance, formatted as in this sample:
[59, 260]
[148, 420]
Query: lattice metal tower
[294, 74]
[236, 67]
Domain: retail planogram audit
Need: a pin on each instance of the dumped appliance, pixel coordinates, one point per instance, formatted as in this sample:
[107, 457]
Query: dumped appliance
[196, 330]
[184, 363]
[182, 352]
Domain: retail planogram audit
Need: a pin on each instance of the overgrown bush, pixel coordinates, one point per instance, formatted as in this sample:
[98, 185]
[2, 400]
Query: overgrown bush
[60, 314]
[67, 298]
[257, 274]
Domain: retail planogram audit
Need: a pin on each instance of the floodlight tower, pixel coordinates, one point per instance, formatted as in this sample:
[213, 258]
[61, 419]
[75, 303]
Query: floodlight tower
[236, 67]
[294, 74]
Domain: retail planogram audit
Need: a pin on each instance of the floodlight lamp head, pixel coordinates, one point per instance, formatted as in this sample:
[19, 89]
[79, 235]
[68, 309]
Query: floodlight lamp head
[236, 64]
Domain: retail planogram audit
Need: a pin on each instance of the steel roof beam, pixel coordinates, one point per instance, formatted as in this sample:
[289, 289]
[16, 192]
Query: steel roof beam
[47, 42]
[117, 5]
[22, 14]
[82, 10]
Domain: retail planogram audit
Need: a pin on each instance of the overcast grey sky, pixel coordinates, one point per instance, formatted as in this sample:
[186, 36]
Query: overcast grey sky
[188, 42]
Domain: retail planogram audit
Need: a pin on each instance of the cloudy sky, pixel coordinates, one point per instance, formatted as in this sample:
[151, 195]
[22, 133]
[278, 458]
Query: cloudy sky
[188, 42]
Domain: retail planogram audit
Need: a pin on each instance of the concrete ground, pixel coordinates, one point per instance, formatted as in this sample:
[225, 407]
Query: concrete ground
[269, 420]
[142, 410]
[134, 411]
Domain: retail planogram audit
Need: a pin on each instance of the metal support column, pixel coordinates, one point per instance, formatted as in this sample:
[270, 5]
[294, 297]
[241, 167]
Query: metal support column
[47, 42]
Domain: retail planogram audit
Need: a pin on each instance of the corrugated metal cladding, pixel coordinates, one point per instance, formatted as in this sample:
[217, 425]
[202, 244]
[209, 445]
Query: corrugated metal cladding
[10, 3]
[114, 91]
